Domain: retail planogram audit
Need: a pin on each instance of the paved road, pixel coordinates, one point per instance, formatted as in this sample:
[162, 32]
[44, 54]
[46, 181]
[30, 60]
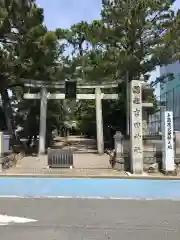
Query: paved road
[79, 219]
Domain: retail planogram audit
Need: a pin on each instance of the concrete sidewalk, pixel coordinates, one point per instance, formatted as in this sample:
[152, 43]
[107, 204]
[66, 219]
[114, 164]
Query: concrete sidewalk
[86, 160]
[87, 163]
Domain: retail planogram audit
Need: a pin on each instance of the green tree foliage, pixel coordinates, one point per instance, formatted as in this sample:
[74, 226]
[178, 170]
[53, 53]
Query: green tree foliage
[131, 38]
[126, 42]
[28, 51]
[13, 15]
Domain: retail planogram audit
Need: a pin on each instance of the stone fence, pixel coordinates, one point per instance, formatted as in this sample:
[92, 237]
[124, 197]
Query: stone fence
[152, 152]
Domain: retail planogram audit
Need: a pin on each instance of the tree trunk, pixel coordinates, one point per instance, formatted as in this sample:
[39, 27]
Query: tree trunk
[6, 104]
[7, 110]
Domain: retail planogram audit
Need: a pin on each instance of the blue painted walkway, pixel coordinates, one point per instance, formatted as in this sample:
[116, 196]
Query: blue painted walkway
[117, 188]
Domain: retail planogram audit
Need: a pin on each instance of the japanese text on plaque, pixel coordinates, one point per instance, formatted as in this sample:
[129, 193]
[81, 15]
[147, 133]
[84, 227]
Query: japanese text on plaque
[137, 121]
[169, 131]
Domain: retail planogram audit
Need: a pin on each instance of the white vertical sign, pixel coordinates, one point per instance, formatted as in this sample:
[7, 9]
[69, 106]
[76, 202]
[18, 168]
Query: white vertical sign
[136, 134]
[168, 142]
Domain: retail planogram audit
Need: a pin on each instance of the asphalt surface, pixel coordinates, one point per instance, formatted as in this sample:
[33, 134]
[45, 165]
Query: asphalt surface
[79, 219]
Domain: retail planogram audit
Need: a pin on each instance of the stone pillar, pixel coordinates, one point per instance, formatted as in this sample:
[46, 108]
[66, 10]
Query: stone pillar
[177, 144]
[43, 115]
[128, 109]
[99, 122]
[1, 149]
[136, 135]
[168, 164]
[127, 104]
[119, 158]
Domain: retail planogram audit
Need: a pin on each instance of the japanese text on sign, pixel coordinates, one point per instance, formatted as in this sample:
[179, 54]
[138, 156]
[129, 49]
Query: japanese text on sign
[137, 112]
[136, 95]
[169, 131]
[137, 134]
[168, 138]
[136, 89]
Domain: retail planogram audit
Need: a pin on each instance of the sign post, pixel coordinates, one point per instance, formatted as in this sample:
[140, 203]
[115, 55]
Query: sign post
[136, 137]
[168, 165]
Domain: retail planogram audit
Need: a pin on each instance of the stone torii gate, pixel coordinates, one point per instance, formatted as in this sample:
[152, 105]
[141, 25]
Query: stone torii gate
[44, 96]
[135, 102]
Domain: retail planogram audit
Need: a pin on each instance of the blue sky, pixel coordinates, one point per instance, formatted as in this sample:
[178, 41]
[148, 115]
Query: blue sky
[64, 13]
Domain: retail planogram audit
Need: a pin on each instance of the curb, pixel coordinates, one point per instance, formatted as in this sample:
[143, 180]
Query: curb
[30, 175]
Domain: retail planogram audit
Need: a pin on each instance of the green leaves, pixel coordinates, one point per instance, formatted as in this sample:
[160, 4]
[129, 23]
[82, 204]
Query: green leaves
[127, 39]
[131, 37]
[28, 50]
